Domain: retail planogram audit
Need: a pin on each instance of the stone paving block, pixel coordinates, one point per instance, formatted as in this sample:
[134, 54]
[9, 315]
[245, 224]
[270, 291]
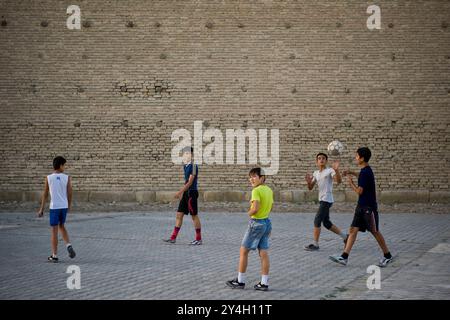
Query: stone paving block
[145, 196]
[440, 197]
[144, 267]
[11, 196]
[165, 196]
[234, 196]
[298, 196]
[404, 196]
[286, 196]
[112, 196]
[351, 196]
[211, 196]
[339, 196]
[80, 196]
[32, 196]
[312, 196]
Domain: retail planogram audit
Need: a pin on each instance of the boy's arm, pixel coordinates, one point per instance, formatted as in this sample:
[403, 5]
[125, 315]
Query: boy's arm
[337, 177]
[69, 192]
[351, 173]
[186, 186]
[359, 190]
[253, 208]
[310, 181]
[43, 199]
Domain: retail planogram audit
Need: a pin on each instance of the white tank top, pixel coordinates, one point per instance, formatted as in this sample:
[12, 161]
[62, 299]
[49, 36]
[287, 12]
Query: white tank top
[57, 184]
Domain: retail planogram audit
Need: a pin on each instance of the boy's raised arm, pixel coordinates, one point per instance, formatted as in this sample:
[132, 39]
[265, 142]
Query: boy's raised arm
[310, 181]
[337, 176]
[43, 199]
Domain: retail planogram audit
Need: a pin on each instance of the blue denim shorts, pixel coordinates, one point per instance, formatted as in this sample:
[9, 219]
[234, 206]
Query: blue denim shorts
[257, 235]
[58, 216]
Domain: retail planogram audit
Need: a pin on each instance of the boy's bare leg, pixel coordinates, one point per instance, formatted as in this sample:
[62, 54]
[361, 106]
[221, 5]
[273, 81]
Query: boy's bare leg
[243, 259]
[381, 242]
[196, 220]
[64, 233]
[335, 229]
[178, 223]
[54, 240]
[316, 234]
[352, 233]
[179, 219]
[197, 226]
[265, 263]
[239, 282]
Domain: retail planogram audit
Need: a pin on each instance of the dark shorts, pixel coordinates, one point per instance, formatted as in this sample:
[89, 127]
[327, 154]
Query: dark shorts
[366, 218]
[188, 203]
[323, 215]
[57, 217]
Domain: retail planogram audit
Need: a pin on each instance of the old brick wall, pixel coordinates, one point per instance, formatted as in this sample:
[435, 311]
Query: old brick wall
[108, 96]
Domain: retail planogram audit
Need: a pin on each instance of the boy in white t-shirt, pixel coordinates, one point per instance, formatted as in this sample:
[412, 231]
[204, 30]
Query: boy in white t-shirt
[60, 187]
[324, 178]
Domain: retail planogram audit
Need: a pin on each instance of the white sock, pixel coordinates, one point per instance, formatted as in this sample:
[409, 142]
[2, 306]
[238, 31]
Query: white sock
[54, 255]
[67, 245]
[316, 243]
[265, 279]
[241, 277]
[343, 235]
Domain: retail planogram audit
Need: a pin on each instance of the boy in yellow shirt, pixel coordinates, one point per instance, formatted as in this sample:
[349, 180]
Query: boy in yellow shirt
[258, 232]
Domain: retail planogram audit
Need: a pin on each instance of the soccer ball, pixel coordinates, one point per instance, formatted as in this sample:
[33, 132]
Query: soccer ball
[335, 148]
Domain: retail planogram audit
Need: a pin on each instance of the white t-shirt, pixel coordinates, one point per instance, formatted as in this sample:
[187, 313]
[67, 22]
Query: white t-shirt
[324, 181]
[57, 184]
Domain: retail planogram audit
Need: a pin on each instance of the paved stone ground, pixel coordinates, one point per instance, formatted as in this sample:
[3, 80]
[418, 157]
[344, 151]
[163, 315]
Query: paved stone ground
[338, 207]
[121, 256]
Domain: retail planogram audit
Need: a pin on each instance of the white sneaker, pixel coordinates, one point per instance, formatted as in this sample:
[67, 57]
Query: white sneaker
[339, 259]
[385, 261]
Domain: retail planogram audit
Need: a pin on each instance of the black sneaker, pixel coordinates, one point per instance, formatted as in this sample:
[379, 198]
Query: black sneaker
[311, 247]
[52, 259]
[261, 287]
[170, 240]
[235, 284]
[72, 253]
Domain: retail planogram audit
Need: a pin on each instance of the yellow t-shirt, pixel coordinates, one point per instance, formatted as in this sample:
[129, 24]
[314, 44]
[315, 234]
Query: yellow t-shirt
[264, 195]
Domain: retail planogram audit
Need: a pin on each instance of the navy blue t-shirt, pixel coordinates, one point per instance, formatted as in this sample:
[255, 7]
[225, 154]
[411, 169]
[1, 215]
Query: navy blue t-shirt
[187, 172]
[366, 180]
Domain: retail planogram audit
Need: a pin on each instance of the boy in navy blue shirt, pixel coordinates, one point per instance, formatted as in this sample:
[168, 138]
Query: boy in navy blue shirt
[366, 213]
[188, 196]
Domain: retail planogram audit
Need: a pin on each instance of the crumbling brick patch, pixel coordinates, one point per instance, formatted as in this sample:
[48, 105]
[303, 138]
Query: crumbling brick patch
[144, 89]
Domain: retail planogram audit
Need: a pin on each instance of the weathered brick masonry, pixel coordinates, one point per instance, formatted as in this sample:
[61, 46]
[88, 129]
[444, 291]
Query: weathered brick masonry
[108, 96]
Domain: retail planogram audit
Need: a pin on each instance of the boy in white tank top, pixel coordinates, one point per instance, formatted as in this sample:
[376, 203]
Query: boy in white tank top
[59, 186]
[324, 178]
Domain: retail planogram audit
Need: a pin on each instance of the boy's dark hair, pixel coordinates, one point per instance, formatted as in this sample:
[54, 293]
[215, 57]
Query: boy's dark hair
[365, 153]
[58, 162]
[258, 171]
[188, 149]
[322, 154]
